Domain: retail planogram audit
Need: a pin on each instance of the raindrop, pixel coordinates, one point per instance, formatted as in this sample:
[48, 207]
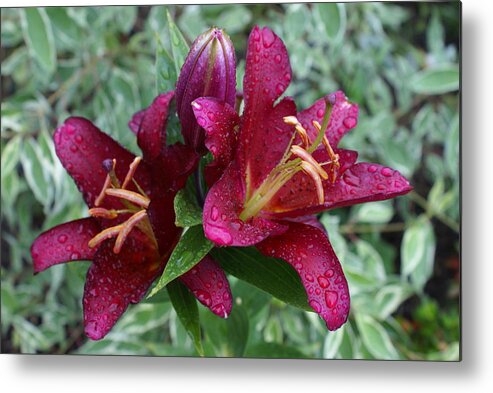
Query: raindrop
[386, 172]
[211, 116]
[331, 298]
[226, 295]
[78, 138]
[329, 273]
[62, 238]
[73, 148]
[277, 59]
[323, 282]
[320, 113]
[298, 266]
[280, 88]
[315, 305]
[75, 255]
[349, 122]
[201, 121]
[256, 59]
[309, 277]
[372, 168]
[204, 297]
[287, 76]
[268, 37]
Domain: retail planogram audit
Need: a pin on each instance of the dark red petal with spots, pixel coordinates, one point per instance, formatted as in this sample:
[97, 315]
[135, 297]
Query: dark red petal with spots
[210, 286]
[171, 169]
[219, 121]
[64, 243]
[116, 280]
[151, 136]
[223, 205]
[134, 123]
[82, 148]
[308, 250]
[209, 71]
[308, 220]
[344, 117]
[161, 214]
[264, 136]
[365, 182]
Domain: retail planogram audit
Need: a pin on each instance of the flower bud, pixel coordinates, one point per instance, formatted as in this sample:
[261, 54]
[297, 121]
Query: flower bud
[209, 71]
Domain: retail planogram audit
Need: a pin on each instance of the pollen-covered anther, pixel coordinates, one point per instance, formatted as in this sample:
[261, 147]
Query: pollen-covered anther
[131, 196]
[311, 171]
[307, 157]
[293, 121]
[131, 171]
[103, 213]
[126, 228]
[109, 165]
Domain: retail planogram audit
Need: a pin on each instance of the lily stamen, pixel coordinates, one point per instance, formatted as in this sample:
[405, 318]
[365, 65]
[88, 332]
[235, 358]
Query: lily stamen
[126, 228]
[130, 196]
[108, 233]
[131, 171]
[311, 171]
[305, 156]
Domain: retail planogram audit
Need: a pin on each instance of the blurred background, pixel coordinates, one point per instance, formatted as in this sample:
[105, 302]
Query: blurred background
[399, 62]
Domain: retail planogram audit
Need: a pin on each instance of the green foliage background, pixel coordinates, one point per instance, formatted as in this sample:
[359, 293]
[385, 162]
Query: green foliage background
[399, 62]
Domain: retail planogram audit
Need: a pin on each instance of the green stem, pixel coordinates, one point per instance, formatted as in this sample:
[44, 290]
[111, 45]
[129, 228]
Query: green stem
[430, 213]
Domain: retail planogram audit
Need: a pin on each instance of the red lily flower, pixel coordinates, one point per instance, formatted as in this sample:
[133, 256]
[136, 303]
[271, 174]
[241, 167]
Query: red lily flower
[131, 232]
[277, 168]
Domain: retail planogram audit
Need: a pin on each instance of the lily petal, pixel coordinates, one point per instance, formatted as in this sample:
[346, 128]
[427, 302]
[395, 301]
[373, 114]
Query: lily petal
[151, 136]
[116, 280]
[210, 286]
[209, 71]
[223, 205]
[344, 117]
[365, 182]
[264, 136]
[82, 148]
[170, 170]
[219, 121]
[64, 243]
[299, 195]
[308, 250]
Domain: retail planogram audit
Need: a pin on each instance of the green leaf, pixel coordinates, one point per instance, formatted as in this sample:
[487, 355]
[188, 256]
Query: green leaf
[372, 261]
[186, 308]
[166, 74]
[418, 252]
[187, 212]
[333, 16]
[389, 298]
[190, 250]
[272, 275]
[375, 338]
[274, 350]
[228, 336]
[39, 37]
[436, 81]
[375, 212]
[179, 46]
[452, 148]
[332, 342]
[10, 156]
[36, 169]
[234, 19]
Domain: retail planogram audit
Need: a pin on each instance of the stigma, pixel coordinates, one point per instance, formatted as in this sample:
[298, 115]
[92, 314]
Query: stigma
[135, 204]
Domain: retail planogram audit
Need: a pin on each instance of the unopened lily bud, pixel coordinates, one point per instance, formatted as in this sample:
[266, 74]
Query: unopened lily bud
[208, 71]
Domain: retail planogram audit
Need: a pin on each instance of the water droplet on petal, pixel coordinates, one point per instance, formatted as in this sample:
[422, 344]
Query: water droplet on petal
[298, 266]
[315, 305]
[62, 238]
[309, 277]
[323, 282]
[372, 168]
[287, 77]
[203, 297]
[329, 273]
[256, 59]
[201, 121]
[277, 59]
[211, 116]
[349, 122]
[386, 172]
[268, 37]
[78, 138]
[74, 256]
[331, 298]
[280, 88]
[320, 113]
[73, 148]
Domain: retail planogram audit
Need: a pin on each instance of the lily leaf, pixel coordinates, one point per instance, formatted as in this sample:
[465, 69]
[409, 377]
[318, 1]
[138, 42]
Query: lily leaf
[186, 308]
[271, 275]
[187, 212]
[190, 250]
[179, 46]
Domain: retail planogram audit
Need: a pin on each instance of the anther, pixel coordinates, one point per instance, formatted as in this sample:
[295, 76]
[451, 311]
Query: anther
[126, 228]
[103, 213]
[108, 233]
[131, 171]
[130, 196]
[310, 170]
[307, 157]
